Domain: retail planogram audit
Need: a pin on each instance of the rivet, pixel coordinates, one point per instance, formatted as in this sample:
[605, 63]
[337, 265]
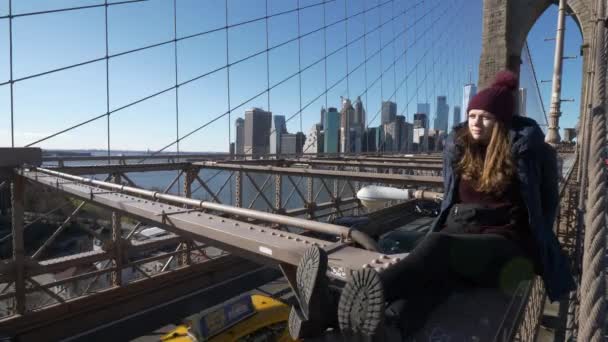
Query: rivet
[236, 224]
[298, 239]
[251, 228]
[223, 221]
[262, 231]
[274, 234]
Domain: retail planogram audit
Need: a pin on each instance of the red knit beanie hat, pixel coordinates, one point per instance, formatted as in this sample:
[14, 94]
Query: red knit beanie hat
[498, 98]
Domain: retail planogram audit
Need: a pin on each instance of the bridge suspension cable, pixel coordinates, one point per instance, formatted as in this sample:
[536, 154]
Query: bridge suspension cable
[387, 29]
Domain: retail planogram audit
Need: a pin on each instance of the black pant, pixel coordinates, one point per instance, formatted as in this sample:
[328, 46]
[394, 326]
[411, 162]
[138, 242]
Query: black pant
[447, 260]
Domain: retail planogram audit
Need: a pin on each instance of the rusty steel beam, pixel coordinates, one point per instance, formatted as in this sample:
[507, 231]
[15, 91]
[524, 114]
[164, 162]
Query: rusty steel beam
[121, 168]
[134, 157]
[434, 165]
[17, 199]
[173, 156]
[84, 258]
[261, 244]
[143, 304]
[56, 233]
[433, 181]
[405, 165]
[94, 189]
[426, 160]
[320, 206]
[206, 188]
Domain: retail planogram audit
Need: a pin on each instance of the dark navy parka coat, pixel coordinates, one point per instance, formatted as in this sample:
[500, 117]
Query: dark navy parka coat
[536, 164]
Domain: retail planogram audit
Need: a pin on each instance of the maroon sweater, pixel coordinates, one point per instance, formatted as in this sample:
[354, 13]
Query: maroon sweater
[517, 228]
[510, 199]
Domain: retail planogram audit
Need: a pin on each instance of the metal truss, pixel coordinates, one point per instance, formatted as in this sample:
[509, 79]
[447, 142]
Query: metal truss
[260, 237]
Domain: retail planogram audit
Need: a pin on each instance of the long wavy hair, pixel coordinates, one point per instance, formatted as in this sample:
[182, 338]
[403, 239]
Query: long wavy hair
[491, 167]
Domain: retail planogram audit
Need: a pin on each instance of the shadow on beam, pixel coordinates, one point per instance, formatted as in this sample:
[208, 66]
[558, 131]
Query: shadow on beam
[136, 309]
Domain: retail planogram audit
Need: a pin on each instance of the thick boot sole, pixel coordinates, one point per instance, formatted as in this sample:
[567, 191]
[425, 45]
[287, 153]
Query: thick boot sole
[361, 306]
[309, 320]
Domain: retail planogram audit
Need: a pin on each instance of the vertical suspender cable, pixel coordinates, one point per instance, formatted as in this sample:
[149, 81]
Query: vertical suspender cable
[267, 62]
[228, 73]
[346, 43]
[325, 51]
[365, 76]
[381, 67]
[299, 65]
[107, 59]
[405, 67]
[394, 49]
[10, 43]
[177, 91]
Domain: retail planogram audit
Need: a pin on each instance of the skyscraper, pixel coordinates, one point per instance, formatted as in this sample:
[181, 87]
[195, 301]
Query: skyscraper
[359, 113]
[380, 139]
[314, 140]
[239, 128]
[323, 111]
[421, 132]
[257, 132]
[420, 120]
[371, 135]
[346, 115]
[356, 138]
[391, 136]
[277, 128]
[331, 127]
[389, 112]
[288, 144]
[442, 114]
[408, 137]
[468, 92]
[300, 141]
[399, 133]
[456, 119]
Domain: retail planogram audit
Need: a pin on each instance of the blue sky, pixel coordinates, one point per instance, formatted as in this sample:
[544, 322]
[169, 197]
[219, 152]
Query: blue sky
[441, 40]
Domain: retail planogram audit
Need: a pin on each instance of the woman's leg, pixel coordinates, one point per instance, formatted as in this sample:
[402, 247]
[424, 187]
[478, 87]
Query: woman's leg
[440, 259]
[481, 259]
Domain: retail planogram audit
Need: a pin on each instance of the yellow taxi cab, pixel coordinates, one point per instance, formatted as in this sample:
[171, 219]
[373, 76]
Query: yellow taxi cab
[248, 318]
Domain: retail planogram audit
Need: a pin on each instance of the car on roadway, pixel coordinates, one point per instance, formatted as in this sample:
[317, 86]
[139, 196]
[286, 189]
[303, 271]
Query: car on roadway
[248, 318]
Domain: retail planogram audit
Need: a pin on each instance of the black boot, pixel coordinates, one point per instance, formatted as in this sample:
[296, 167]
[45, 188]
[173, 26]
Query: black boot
[361, 306]
[309, 320]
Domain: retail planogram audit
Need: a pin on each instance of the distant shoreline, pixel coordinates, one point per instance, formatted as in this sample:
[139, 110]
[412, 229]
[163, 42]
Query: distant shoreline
[97, 152]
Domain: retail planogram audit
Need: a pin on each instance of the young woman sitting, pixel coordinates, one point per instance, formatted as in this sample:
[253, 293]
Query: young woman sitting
[495, 227]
